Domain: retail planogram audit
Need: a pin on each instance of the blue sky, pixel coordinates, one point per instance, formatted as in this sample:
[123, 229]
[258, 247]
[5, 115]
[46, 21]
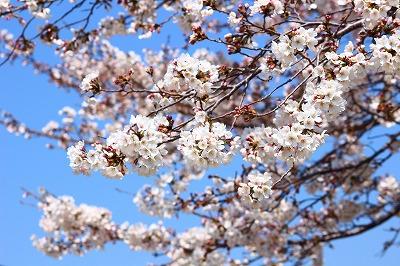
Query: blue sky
[29, 164]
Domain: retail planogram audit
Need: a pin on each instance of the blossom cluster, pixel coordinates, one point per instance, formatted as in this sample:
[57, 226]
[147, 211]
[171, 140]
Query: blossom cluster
[386, 53]
[142, 237]
[208, 144]
[77, 229]
[267, 7]
[188, 249]
[257, 189]
[194, 12]
[139, 143]
[4, 5]
[373, 11]
[288, 45]
[187, 73]
[388, 188]
[154, 201]
[145, 12]
[64, 220]
[347, 66]
[110, 26]
[38, 8]
[296, 135]
[90, 82]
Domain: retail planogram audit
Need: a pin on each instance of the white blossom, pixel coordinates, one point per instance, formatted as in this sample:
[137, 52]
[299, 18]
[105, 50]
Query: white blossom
[187, 73]
[141, 141]
[89, 82]
[388, 187]
[207, 144]
[265, 6]
[257, 189]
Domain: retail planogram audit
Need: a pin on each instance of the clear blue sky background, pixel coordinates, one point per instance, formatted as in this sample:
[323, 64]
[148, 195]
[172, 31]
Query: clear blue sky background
[29, 164]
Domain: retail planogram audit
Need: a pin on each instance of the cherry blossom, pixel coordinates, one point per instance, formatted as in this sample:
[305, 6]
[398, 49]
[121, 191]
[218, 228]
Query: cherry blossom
[270, 123]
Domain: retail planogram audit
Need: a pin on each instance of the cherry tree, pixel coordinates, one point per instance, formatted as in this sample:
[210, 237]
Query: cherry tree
[265, 82]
